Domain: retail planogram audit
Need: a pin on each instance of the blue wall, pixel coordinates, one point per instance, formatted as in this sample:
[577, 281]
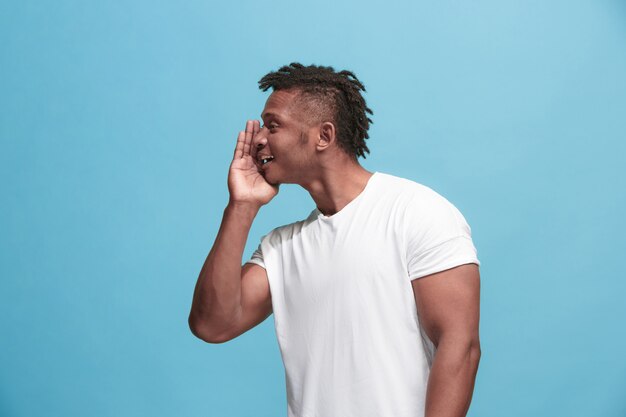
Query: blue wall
[118, 121]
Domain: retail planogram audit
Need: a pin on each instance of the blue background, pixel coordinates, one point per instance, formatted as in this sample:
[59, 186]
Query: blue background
[118, 122]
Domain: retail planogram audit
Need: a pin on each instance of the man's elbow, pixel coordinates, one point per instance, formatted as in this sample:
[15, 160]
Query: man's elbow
[475, 352]
[471, 347]
[203, 332]
[459, 352]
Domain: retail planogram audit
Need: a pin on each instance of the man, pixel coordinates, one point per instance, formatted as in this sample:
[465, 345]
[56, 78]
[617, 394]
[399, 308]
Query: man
[375, 294]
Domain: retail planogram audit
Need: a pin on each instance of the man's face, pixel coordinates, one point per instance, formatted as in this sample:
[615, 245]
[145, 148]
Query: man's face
[285, 136]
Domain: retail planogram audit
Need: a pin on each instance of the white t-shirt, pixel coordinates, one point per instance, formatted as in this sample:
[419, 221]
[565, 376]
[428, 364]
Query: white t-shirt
[343, 303]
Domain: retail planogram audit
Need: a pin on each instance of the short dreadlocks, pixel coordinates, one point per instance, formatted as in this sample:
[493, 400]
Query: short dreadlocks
[334, 94]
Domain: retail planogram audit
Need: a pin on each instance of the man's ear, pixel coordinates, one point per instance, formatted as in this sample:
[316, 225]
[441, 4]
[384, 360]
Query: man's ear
[328, 134]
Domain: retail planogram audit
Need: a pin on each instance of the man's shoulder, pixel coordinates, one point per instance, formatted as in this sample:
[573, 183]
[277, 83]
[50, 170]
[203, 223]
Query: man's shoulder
[415, 201]
[288, 230]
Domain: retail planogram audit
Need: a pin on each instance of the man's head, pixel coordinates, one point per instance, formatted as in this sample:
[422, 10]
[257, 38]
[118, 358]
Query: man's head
[327, 96]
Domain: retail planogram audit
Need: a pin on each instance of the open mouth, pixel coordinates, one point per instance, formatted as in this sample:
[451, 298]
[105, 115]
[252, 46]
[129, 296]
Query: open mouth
[265, 161]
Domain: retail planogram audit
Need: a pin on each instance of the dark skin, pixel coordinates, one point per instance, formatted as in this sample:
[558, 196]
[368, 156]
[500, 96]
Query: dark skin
[230, 299]
[305, 153]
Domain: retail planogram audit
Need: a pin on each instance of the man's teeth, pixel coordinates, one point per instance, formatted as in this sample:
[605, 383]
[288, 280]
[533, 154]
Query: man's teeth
[266, 160]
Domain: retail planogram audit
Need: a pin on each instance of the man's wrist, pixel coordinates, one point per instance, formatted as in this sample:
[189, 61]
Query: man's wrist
[242, 208]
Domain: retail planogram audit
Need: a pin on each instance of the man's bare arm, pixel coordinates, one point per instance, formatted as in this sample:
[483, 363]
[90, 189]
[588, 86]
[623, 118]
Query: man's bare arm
[448, 305]
[222, 292]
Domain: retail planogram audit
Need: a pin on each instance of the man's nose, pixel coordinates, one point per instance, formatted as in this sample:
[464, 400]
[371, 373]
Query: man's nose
[260, 139]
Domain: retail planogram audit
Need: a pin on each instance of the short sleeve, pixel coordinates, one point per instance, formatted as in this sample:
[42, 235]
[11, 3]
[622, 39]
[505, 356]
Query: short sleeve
[438, 237]
[257, 257]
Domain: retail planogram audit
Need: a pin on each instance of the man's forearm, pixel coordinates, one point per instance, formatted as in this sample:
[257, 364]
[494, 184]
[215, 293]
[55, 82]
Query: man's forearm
[217, 294]
[451, 380]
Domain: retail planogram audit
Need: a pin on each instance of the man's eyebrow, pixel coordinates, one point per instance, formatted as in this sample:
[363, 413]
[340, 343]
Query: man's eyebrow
[268, 114]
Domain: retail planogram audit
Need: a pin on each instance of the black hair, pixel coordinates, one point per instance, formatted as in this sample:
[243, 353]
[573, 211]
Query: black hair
[336, 94]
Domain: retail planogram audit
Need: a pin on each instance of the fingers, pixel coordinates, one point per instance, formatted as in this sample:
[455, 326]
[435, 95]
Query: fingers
[241, 139]
[255, 129]
[244, 139]
[248, 138]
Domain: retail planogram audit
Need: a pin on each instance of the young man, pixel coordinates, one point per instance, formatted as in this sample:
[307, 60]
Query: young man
[375, 294]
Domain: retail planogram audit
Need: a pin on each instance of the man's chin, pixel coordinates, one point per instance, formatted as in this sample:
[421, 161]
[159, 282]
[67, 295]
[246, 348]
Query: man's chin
[269, 180]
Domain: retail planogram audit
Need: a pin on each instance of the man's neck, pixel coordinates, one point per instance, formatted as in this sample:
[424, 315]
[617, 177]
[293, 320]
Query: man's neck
[335, 188]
